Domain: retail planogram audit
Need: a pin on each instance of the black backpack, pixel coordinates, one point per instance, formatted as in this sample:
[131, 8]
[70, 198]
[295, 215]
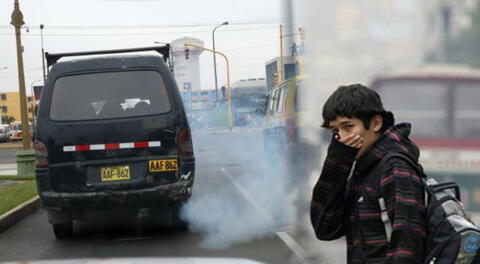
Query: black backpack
[452, 237]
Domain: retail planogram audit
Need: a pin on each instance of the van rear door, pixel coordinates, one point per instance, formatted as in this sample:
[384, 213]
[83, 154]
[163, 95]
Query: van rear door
[103, 128]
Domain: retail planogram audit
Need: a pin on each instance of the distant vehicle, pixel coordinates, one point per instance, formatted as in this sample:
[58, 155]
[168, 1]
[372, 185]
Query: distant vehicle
[248, 109]
[15, 132]
[442, 103]
[196, 120]
[281, 112]
[4, 129]
[112, 140]
[283, 124]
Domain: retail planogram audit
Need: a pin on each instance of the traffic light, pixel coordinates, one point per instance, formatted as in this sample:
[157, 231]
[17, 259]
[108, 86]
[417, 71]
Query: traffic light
[187, 53]
[301, 31]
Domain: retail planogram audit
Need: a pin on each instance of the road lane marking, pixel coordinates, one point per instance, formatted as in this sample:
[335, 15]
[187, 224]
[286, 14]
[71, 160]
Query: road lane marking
[297, 250]
[264, 214]
[293, 245]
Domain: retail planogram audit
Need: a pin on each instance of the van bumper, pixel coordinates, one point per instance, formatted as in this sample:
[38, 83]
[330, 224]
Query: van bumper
[150, 196]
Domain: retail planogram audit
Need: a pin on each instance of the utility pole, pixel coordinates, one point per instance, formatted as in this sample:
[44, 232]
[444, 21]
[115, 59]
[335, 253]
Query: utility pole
[17, 22]
[43, 56]
[26, 156]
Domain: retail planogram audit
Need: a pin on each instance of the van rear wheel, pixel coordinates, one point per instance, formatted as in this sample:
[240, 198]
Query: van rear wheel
[63, 231]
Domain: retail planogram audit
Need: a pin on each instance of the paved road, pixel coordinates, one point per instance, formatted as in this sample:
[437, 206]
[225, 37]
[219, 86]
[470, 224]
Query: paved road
[7, 155]
[238, 209]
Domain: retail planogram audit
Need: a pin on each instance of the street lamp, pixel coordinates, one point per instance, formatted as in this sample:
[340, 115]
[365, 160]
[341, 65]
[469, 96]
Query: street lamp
[34, 101]
[214, 58]
[43, 58]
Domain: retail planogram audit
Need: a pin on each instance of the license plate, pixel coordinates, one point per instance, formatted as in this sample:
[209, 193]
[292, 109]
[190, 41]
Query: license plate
[162, 165]
[119, 173]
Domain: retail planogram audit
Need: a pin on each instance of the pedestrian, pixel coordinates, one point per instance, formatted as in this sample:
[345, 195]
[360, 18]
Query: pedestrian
[379, 206]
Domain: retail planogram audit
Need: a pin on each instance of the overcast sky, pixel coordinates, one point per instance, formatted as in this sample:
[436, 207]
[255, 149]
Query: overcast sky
[250, 40]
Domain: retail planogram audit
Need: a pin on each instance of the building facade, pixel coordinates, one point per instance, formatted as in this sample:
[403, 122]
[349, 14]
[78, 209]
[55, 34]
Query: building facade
[272, 69]
[186, 64]
[10, 107]
[199, 100]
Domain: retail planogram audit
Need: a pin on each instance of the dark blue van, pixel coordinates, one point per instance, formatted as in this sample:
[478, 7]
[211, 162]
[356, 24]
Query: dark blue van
[112, 138]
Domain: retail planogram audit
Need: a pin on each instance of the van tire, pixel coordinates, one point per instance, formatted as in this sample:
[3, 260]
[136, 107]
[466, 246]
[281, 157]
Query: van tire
[63, 231]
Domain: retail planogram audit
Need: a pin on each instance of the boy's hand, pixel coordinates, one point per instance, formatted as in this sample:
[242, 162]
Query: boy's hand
[352, 140]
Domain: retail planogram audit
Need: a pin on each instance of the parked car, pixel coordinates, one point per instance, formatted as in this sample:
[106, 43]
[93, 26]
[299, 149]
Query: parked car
[15, 131]
[112, 140]
[4, 135]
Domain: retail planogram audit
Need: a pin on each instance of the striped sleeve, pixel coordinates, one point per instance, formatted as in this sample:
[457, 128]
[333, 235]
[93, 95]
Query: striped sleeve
[328, 200]
[403, 190]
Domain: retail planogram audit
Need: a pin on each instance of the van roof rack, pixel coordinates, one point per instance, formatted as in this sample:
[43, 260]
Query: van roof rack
[53, 58]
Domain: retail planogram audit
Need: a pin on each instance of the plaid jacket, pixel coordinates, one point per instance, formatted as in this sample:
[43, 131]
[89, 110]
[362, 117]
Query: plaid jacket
[351, 207]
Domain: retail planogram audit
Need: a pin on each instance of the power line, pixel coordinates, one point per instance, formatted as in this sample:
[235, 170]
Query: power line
[78, 27]
[134, 34]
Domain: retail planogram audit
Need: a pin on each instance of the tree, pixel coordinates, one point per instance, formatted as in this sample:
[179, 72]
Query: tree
[6, 119]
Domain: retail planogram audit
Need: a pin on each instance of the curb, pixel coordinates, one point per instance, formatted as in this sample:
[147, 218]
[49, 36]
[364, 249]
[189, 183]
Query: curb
[18, 213]
[10, 146]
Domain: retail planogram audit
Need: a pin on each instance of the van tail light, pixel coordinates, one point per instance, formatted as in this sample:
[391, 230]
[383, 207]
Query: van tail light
[291, 128]
[184, 142]
[41, 154]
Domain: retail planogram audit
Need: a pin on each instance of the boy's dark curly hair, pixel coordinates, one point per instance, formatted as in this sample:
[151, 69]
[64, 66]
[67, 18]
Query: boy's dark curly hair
[356, 101]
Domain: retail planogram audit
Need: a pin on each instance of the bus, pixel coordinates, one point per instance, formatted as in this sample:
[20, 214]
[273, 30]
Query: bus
[281, 112]
[287, 120]
[15, 131]
[442, 102]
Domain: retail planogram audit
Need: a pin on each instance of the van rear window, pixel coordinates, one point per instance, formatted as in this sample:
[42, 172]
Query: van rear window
[108, 95]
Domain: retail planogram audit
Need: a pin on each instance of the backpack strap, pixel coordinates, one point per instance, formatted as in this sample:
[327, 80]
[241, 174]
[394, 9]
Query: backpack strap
[385, 219]
[381, 200]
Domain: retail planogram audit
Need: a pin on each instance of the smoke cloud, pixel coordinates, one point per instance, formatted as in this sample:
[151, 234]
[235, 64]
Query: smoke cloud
[254, 201]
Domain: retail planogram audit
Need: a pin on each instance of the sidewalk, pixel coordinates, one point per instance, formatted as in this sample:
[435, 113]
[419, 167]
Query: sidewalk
[8, 169]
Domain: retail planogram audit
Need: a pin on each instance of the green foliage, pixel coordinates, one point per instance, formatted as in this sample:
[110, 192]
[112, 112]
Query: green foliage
[7, 119]
[14, 195]
[16, 178]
